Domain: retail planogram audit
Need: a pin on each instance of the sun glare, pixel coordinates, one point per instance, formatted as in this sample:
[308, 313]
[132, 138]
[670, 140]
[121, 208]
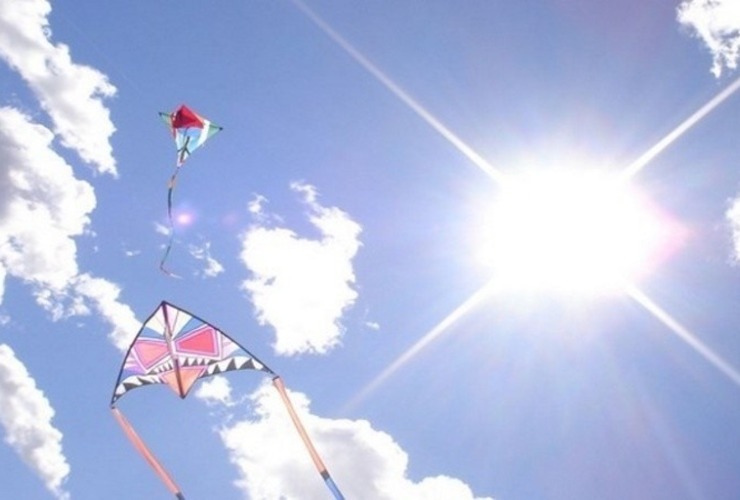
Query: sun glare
[570, 232]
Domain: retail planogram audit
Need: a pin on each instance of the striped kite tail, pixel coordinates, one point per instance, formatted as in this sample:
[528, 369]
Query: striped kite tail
[278, 383]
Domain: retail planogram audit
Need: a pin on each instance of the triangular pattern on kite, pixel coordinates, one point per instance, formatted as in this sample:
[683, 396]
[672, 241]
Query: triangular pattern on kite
[176, 348]
[173, 340]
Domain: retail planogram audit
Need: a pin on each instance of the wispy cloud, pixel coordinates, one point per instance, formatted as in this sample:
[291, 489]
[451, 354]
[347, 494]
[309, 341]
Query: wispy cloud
[366, 463]
[717, 24]
[372, 325]
[202, 253]
[26, 415]
[103, 296]
[255, 206]
[162, 229]
[72, 94]
[301, 286]
[733, 217]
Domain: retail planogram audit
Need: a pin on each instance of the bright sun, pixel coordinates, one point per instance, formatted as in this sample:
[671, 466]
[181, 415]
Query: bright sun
[570, 232]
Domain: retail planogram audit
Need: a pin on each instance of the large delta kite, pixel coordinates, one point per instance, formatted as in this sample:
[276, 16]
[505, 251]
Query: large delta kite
[177, 348]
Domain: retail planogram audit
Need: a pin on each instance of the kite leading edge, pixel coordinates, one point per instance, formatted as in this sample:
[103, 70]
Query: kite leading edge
[176, 348]
[190, 131]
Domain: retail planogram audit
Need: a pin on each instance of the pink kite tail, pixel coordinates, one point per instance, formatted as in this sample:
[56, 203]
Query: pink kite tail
[147, 454]
[278, 383]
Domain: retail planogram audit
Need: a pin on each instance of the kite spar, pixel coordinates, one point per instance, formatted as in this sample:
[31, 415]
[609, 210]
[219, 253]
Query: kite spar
[190, 131]
[177, 348]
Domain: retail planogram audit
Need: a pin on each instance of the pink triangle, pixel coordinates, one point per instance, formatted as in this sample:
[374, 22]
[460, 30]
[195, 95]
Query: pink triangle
[149, 352]
[200, 342]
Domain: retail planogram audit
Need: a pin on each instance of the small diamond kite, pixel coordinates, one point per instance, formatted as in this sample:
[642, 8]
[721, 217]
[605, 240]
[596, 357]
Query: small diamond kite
[190, 131]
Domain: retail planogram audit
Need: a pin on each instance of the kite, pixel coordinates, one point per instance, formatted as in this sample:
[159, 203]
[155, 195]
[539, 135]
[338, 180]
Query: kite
[190, 132]
[177, 348]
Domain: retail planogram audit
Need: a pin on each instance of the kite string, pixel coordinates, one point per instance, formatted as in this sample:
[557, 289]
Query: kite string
[278, 383]
[142, 448]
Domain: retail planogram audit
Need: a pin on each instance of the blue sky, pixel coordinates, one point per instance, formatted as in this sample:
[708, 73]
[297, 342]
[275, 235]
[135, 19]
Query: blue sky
[336, 226]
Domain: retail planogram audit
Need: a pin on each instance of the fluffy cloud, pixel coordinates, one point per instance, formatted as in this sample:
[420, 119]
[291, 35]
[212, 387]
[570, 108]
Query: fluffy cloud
[70, 93]
[301, 286]
[717, 24]
[43, 207]
[366, 463]
[26, 415]
[215, 391]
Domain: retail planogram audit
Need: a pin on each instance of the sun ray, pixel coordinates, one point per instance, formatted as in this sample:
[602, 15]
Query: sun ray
[401, 94]
[497, 175]
[432, 335]
[684, 334]
[677, 132]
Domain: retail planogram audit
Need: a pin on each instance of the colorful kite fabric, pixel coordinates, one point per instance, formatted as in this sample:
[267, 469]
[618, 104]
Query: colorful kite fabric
[190, 131]
[176, 348]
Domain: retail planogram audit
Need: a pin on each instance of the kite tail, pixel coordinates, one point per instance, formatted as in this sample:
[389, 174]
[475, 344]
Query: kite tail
[147, 454]
[278, 383]
[170, 189]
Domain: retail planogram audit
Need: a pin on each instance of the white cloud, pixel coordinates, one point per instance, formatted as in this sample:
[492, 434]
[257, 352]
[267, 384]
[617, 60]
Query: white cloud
[26, 415]
[733, 217]
[162, 229]
[302, 286]
[104, 297]
[212, 267]
[255, 206]
[43, 207]
[3, 272]
[215, 390]
[72, 94]
[717, 24]
[364, 462]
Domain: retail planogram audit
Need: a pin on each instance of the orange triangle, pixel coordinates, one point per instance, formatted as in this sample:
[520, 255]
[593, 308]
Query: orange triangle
[171, 380]
[188, 376]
